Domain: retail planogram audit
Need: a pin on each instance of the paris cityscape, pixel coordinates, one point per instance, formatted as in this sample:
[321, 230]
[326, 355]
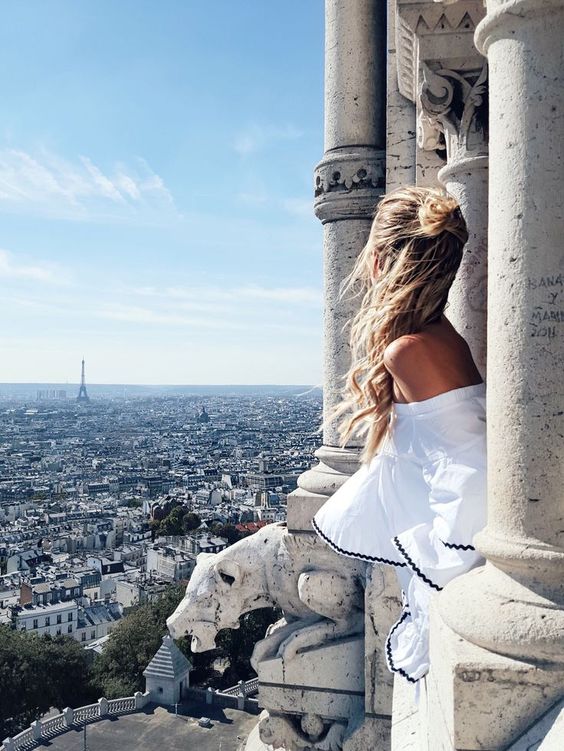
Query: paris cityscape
[104, 501]
[281, 405]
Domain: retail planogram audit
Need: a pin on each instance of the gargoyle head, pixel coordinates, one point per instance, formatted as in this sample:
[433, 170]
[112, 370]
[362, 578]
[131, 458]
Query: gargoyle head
[214, 600]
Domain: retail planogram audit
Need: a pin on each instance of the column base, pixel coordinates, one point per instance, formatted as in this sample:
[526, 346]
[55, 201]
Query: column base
[476, 699]
[315, 485]
[493, 610]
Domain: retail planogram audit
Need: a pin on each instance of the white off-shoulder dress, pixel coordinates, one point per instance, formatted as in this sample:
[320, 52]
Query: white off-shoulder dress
[416, 506]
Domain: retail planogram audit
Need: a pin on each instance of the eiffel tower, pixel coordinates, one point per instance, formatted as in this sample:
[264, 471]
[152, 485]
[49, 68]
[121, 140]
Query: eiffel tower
[82, 395]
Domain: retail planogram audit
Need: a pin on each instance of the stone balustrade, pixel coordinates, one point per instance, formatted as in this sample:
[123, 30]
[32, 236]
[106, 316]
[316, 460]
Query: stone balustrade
[42, 730]
[87, 713]
[120, 706]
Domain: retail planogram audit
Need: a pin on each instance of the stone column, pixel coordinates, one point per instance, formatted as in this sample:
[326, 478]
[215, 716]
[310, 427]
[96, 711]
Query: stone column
[400, 119]
[456, 102]
[513, 609]
[348, 182]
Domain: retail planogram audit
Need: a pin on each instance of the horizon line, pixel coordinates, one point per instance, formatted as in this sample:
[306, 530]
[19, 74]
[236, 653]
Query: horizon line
[183, 385]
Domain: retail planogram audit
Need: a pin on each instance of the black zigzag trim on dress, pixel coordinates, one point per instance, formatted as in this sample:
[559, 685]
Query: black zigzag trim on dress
[337, 549]
[456, 546]
[413, 566]
[389, 659]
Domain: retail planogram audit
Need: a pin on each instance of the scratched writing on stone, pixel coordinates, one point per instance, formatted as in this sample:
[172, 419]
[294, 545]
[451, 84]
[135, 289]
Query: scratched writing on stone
[548, 310]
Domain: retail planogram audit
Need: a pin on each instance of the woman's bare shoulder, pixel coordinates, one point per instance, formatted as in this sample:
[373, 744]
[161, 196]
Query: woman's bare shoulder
[404, 352]
[429, 362]
[438, 341]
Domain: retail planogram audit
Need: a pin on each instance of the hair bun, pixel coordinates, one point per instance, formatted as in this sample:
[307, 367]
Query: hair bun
[438, 213]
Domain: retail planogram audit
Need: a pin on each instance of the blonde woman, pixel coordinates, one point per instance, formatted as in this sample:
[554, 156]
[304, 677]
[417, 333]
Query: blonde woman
[414, 395]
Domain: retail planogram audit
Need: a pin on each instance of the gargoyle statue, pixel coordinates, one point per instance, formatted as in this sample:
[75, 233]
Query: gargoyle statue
[320, 594]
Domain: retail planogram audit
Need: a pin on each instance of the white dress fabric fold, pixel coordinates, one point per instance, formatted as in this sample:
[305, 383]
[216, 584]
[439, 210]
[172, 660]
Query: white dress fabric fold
[417, 506]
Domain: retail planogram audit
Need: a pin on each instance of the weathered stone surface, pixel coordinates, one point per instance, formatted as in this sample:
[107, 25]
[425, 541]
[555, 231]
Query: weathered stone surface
[382, 606]
[327, 680]
[405, 718]
[478, 699]
[315, 486]
[321, 597]
[400, 119]
[467, 181]
[355, 89]
[524, 538]
[546, 735]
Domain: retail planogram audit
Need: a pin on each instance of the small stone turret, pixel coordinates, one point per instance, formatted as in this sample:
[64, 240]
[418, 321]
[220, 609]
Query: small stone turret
[167, 675]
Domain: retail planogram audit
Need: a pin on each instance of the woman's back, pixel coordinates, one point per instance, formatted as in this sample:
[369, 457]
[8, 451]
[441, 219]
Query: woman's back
[435, 360]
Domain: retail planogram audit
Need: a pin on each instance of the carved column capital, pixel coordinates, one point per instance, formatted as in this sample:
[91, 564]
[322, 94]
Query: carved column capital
[455, 103]
[441, 71]
[432, 31]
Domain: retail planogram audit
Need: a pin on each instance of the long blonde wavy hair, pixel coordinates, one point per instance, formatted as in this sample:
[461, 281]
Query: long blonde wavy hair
[417, 238]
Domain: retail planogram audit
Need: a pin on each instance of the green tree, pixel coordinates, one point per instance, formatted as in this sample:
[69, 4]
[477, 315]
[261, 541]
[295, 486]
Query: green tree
[172, 524]
[176, 522]
[118, 671]
[37, 673]
[238, 644]
[155, 527]
[229, 532]
[67, 668]
[191, 521]
[167, 603]
[134, 503]
[21, 686]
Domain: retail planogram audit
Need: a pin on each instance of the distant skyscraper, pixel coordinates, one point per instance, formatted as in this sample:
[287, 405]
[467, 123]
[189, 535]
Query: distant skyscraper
[82, 395]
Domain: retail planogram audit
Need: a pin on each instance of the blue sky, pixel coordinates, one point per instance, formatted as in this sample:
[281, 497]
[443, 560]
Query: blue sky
[156, 165]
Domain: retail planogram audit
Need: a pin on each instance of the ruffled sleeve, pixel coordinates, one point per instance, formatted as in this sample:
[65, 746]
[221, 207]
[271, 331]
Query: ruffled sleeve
[431, 559]
[440, 549]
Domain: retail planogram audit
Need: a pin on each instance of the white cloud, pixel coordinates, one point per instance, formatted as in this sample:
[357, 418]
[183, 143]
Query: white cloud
[170, 316]
[212, 296]
[249, 309]
[10, 268]
[299, 295]
[45, 184]
[256, 137]
[133, 314]
[103, 183]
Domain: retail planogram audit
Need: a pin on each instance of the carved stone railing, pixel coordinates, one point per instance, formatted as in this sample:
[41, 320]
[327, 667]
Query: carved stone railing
[87, 713]
[120, 706]
[52, 726]
[43, 730]
[243, 688]
[251, 687]
[236, 697]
